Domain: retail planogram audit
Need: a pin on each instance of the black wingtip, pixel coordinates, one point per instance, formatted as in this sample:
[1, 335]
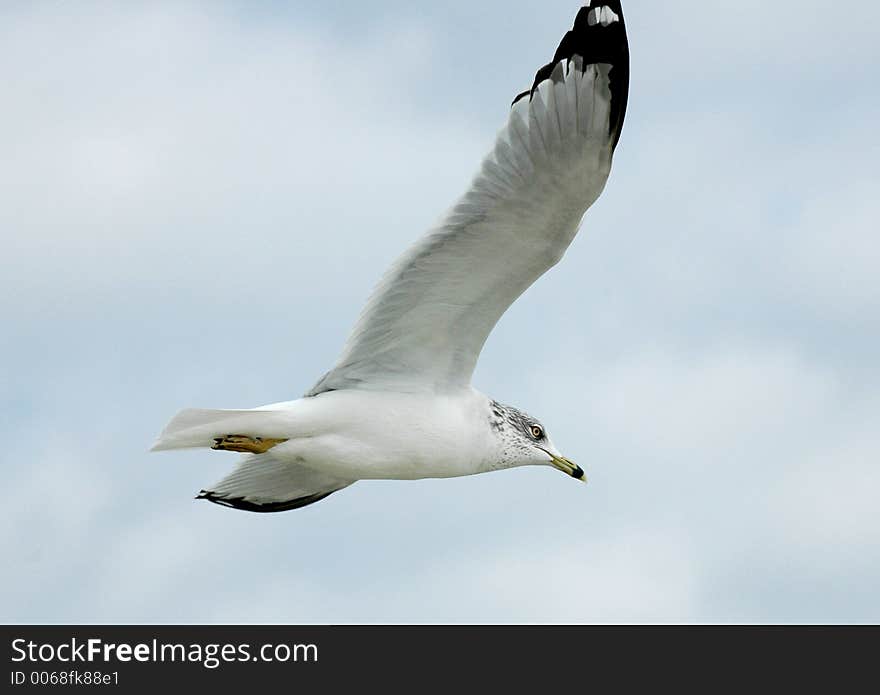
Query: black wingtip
[598, 36]
[261, 507]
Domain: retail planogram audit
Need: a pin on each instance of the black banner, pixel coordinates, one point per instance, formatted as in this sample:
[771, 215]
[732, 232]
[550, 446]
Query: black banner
[228, 658]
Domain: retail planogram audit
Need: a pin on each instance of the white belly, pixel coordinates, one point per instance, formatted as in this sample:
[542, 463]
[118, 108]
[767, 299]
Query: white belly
[377, 435]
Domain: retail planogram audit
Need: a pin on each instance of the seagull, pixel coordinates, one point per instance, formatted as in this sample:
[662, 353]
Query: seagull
[398, 404]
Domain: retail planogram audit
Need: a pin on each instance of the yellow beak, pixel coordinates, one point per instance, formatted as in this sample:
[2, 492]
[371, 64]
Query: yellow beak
[568, 467]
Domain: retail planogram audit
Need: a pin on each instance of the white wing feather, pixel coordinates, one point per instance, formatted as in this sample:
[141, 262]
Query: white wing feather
[425, 324]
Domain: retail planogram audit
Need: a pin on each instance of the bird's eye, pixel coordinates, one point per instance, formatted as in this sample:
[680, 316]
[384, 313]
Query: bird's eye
[537, 431]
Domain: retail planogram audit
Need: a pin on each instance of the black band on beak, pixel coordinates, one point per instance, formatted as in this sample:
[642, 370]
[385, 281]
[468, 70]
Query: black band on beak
[578, 473]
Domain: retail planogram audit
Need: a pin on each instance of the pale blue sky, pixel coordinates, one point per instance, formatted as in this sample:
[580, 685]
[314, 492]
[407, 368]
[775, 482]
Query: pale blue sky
[196, 198]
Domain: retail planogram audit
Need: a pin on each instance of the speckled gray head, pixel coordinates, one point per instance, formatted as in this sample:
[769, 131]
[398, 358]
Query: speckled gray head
[524, 442]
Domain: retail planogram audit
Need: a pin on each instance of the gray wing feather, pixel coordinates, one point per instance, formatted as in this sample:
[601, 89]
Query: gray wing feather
[425, 324]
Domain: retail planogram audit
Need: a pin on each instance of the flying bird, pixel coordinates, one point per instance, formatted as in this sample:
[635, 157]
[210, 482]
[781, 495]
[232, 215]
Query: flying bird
[399, 404]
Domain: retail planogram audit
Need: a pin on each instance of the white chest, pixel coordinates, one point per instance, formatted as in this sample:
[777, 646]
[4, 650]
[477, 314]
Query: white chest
[377, 435]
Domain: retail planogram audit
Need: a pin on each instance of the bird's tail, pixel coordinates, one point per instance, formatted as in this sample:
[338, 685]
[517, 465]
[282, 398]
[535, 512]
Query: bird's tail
[195, 428]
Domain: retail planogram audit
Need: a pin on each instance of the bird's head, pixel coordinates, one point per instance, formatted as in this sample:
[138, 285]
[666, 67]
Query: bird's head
[524, 442]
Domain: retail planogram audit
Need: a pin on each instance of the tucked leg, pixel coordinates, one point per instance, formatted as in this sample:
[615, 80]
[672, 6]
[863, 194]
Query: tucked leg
[244, 444]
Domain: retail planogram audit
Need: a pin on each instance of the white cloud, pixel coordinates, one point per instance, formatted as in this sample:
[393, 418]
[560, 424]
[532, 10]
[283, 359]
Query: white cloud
[634, 576]
[206, 144]
[828, 503]
[719, 400]
[630, 577]
[835, 252]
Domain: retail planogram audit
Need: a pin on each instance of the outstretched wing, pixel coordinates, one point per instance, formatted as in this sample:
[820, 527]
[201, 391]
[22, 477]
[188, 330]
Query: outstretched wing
[264, 483]
[425, 324]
